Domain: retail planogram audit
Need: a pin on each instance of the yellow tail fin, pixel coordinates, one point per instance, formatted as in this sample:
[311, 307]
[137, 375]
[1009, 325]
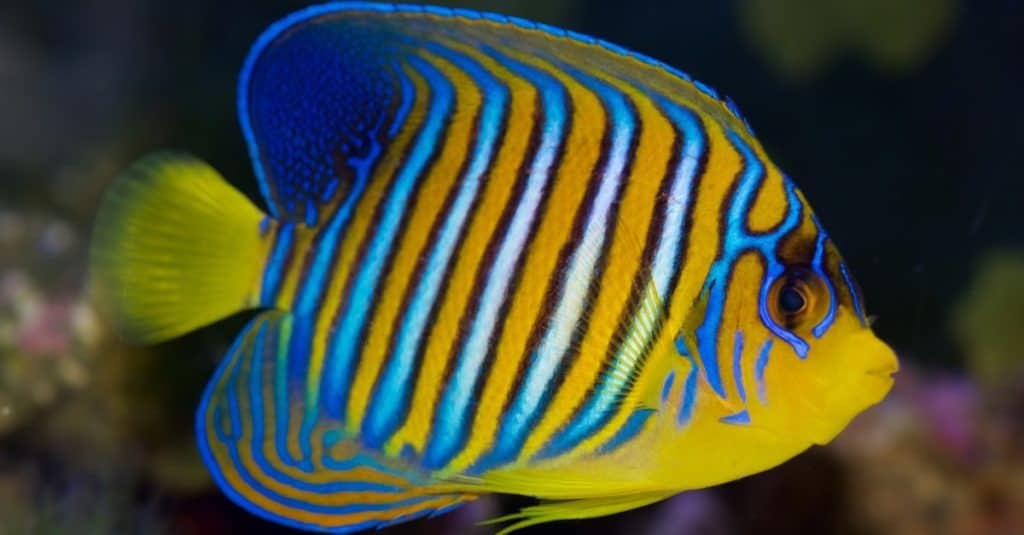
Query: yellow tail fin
[174, 248]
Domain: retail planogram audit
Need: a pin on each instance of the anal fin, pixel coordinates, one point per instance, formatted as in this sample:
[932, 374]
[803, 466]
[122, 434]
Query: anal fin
[249, 433]
[550, 511]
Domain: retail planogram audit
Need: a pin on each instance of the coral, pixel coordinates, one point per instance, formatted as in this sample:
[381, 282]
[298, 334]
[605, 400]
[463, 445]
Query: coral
[936, 457]
[48, 331]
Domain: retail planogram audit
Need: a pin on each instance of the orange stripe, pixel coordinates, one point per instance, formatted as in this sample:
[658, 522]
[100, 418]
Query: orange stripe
[580, 155]
[406, 265]
[498, 185]
[638, 202]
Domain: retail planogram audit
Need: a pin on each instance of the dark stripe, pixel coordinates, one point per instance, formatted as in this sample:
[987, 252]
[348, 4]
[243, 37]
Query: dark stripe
[733, 243]
[450, 429]
[377, 249]
[589, 416]
[515, 428]
[393, 387]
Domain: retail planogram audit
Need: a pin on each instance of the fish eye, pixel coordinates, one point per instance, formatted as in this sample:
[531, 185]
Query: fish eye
[798, 298]
[792, 300]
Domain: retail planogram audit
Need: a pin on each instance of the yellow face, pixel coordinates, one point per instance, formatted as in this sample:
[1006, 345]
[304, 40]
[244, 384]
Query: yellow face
[780, 353]
[817, 364]
[783, 341]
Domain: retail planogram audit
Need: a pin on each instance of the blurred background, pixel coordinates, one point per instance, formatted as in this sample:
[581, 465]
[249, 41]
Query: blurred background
[903, 122]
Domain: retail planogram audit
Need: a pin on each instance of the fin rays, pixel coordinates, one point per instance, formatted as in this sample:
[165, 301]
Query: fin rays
[345, 488]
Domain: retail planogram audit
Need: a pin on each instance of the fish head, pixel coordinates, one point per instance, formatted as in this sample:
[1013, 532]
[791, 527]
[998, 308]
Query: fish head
[800, 331]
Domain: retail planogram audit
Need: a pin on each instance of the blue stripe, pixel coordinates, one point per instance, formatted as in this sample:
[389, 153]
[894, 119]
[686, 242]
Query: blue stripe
[734, 242]
[235, 431]
[259, 434]
[767, 244]
[669, 253]
[331, 437]
[666, 388]
[689, 387]
[737, 365]
[538, 385]
[283, 387]
[391, 396]
[853, 292]
[818, 265]
[774, 271]
[274, 270]
[707, 90]
[315, 282]
[330, 240]
[345, 344]
[600, 405]
[452, 418]
[226, 390]
[762, 363]
[740, 418]
[405, 105]
[634, 424]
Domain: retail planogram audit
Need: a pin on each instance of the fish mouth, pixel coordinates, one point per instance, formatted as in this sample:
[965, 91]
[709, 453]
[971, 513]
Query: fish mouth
[884, 372]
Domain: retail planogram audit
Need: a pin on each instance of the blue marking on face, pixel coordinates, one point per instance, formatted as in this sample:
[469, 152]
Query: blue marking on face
[736, 241]
[739, 418]
[759, 368]
[667, 387]
[707, 337]
[689, 387]
[798, 344]
[818, 266]
[737, 369]
[854, 296]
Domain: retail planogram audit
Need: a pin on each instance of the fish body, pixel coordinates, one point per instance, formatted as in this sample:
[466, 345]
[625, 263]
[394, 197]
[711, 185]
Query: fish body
[496, 257]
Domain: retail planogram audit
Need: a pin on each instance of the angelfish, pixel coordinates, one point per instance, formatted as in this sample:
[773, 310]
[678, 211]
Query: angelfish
[495, 257]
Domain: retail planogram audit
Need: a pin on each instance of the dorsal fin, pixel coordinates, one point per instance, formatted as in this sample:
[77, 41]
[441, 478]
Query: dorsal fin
[248, 437]
[323, 88]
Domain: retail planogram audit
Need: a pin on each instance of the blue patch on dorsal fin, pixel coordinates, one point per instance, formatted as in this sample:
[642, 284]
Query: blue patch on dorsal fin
[323, 88]
[310, 99]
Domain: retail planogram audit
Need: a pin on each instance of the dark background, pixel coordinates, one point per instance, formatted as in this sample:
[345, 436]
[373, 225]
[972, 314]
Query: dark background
[902, 122]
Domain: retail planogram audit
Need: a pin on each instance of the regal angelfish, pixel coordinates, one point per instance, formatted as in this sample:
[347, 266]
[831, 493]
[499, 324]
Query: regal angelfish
[498, 257]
